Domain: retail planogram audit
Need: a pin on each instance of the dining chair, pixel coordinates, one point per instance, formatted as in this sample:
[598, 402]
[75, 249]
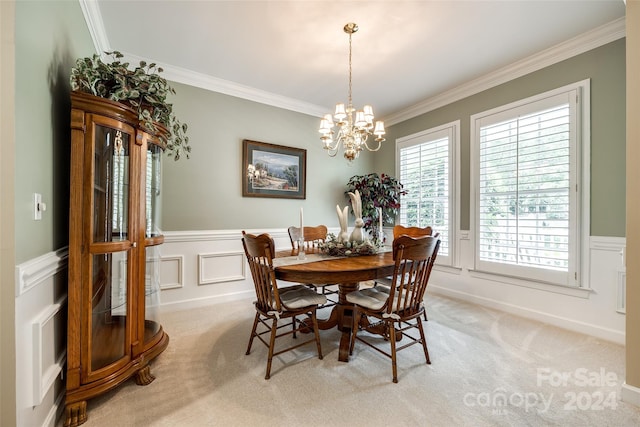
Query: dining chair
[311, 237]
[401, 309]
[401, 230]
[274, 304]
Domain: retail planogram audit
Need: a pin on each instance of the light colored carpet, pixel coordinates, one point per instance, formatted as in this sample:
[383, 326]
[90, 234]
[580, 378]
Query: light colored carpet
[488, 369]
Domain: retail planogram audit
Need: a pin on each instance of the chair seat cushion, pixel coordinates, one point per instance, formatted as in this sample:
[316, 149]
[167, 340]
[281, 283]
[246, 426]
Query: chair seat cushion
[384, 282]
[374, 298]
[371, 298]
[299, 296]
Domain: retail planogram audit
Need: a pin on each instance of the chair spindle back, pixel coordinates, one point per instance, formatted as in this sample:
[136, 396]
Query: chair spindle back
[311, 236]
[414, 259]
[260, 251]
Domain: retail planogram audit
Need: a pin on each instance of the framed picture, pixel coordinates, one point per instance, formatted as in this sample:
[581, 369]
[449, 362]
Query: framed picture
[271, 170]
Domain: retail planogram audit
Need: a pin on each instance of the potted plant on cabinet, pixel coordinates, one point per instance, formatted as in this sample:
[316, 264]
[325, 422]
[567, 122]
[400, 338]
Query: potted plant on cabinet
[142, 88]
[377, 192]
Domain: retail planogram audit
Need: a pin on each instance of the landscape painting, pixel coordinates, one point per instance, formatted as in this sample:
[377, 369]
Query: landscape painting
[271, 170]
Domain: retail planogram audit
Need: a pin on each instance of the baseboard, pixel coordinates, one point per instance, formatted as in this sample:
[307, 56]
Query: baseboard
[630, 394]
[55, 411]
[561, 322]
[206, 301]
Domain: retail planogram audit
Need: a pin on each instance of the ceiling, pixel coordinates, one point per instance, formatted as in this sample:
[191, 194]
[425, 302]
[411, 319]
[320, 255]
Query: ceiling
[294, 54]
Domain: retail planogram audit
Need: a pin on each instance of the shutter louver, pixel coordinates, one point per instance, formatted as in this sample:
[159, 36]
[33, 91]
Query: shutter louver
[524, 192]
[424, 172]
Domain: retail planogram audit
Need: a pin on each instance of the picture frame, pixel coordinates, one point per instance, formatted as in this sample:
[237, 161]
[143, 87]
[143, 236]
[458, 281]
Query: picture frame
[270, 170]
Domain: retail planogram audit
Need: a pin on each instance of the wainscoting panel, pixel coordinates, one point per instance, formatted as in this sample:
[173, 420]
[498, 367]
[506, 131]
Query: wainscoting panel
[622, 289]
[49, 336]
[221, 267]
[41, 329]
[171, 272]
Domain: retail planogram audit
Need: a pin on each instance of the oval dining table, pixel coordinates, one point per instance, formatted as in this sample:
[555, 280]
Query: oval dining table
[347, 273]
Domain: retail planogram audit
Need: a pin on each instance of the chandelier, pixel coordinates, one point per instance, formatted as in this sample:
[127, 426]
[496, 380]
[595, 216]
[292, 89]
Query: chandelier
[352, 133]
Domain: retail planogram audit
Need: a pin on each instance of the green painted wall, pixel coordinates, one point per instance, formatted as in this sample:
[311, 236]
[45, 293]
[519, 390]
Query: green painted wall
[205, 191]
[202, 193]
[49, 36]
[605, 66]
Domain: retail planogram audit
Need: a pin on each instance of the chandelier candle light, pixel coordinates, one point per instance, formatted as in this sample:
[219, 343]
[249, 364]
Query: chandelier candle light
[352, 134]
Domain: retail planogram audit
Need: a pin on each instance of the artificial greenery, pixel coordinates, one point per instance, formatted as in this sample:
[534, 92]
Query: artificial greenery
[332, 247]
[142, 88]
[377, 191]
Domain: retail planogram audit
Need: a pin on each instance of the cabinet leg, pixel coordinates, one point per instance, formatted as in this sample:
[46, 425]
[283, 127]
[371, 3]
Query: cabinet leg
[144, 377]
[75, 414]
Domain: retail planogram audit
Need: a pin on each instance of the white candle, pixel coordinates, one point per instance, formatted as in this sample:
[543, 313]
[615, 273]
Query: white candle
[301, 254]
[380, 220]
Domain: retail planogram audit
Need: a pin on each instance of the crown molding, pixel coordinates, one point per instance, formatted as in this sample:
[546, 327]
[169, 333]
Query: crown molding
[93, 18]
[597, 37]
[203, 81]
[572, 47]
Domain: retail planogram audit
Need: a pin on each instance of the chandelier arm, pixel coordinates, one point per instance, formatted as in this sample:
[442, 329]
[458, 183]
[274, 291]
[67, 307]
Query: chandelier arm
[332, 150]
[374, 149]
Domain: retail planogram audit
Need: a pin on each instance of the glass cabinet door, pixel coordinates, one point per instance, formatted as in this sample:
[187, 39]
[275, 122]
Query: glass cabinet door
[109, 260]
[153, 235]
[152, 190]
[152, 293]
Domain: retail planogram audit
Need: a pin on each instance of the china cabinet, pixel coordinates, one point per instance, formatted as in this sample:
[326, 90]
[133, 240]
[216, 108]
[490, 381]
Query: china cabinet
[113, 327]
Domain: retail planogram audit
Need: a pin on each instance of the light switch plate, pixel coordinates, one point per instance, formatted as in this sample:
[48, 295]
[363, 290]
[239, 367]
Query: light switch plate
[37, 211]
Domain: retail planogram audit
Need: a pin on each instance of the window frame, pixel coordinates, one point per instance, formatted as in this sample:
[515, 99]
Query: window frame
[579, 209]
[452, 131]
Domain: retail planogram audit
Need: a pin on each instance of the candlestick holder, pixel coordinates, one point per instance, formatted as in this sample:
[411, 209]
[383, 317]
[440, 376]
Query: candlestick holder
[301, 253]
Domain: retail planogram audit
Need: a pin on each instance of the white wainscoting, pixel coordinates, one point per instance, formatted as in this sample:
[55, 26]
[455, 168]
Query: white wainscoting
[208, 267]
[172, 272]
[214, 271]
[594, 312]
[41, 305]
[221, 267]
[48, 356]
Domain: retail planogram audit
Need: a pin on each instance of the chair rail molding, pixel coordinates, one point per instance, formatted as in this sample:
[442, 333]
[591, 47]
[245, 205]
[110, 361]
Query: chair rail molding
[33, 272]
[218, 235]
[604, 243]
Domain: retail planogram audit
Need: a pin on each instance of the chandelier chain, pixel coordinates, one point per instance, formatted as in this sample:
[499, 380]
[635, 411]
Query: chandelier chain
[350, 74]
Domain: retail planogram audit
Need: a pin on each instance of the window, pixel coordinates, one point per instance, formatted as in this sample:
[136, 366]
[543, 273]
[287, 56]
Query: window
[527, 164]
[426, 165]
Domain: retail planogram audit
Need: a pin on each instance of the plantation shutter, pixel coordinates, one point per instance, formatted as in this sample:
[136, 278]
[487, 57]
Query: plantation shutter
[525, 192]
[425, 174]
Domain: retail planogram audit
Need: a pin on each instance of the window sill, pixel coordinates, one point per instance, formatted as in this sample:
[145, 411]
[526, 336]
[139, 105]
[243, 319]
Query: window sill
[447, 269]
[547, 287]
